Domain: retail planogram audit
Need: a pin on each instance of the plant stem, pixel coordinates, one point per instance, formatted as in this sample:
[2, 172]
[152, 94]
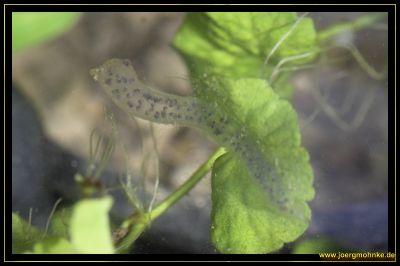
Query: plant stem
[142, 223]
[354, 25]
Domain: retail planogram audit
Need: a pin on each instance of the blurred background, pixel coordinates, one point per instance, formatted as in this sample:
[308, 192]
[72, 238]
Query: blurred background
[343, 116]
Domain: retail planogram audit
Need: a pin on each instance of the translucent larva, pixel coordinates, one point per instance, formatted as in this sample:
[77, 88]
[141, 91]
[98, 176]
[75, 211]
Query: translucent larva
[119, 80]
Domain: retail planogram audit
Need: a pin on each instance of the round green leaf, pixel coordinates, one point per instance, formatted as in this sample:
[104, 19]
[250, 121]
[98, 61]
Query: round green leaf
[243, 219]
[236, 44]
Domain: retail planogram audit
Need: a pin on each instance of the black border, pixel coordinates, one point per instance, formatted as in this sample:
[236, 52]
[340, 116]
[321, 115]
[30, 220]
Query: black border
[9, 7]
[197, 8]
[242, 3]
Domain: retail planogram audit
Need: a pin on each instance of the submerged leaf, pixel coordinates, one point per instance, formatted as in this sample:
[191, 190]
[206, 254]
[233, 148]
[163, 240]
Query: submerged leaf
[240, 52]
[24, 235]
[54, 245]
[90, 228]
[236, 45]
[244, 220]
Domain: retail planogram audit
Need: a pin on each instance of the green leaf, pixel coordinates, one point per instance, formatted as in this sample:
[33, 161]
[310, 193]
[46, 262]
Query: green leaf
[90, 228]
[60, 222]
[53, 245]
[227, 53]
[28, 239]
[243, 219]
[283, 88]
[24, 235]
[32, 28]
[236, 45]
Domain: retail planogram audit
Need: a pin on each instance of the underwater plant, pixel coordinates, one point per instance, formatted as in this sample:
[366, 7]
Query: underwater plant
[262, 180]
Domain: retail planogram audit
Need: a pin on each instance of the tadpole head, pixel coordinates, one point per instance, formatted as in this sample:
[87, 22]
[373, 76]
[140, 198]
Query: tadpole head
[114, 72]
[94, 72]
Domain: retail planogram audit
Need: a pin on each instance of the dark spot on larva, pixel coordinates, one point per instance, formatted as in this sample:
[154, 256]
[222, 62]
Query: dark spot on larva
[169, 102]
[139, 102]
[130, 104]
[157, 99]
[108, 82]
[116, 91]
[172, 102]
[126, 62]
[171, 114]
[165, 108]
[212, 125]
[110, 73]
[118, 80]
[136, 90]
[117, 75]
[124, 80]
[178, 116]
[147, 96]
[157, 115]
[128, 95]
[146, 112]
[163, 114]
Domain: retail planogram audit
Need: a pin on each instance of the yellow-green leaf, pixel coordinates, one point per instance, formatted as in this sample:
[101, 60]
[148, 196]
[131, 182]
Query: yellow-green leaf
[90, 227]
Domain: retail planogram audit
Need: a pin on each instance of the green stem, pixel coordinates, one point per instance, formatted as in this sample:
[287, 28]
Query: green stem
[143, 222]
[187, 186]
[354, 25]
